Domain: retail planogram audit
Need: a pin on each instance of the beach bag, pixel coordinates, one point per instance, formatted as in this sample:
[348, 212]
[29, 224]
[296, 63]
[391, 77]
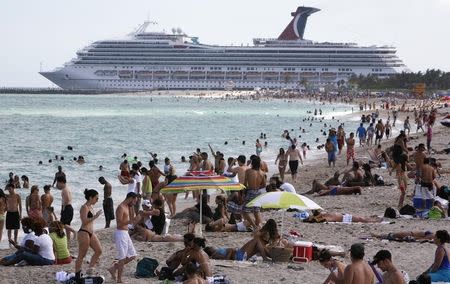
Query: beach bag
[280, 254]
[407, 210]
[146, 268]
[390, 213]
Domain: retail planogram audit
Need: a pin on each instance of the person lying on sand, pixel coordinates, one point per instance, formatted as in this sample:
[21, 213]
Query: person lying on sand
[320, 217]
[222, 225]
[322, 189]
[406, 236]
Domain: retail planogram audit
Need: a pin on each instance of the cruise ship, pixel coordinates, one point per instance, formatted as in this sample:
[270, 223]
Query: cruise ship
[158, 60]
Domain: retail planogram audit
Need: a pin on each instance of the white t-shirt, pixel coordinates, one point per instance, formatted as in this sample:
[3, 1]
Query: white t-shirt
[132, 186]
[287, 187]
[31, 236]
[45, 244]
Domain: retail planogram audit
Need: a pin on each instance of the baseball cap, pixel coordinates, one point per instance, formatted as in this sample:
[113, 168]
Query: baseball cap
[381, 255]
[146, 202]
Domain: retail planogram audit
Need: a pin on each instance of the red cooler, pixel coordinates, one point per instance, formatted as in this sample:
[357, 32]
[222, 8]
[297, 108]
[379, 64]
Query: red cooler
[303, 251]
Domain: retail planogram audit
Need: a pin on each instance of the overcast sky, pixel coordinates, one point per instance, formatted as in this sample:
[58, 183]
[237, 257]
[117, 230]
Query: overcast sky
[49, 32]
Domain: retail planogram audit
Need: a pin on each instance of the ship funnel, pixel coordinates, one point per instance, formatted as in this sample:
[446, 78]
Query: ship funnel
[296, 27]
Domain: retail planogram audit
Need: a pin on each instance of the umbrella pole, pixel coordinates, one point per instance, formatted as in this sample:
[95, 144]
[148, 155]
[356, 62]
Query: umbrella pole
[201, 213]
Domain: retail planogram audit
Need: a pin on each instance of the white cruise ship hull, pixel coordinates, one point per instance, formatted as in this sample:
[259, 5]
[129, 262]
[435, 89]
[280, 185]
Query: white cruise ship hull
[144, 61]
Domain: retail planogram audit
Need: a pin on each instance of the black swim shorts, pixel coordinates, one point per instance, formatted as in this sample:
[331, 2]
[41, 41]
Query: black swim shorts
[12, 220]
[67, 214]
[108, 209]
[293, 165]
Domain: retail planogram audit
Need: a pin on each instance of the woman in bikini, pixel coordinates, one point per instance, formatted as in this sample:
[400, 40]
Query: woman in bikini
[86, 236]
[282, 163]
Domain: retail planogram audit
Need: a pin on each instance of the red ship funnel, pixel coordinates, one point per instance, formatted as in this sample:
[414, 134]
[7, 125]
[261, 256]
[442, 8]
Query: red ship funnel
[296, 27]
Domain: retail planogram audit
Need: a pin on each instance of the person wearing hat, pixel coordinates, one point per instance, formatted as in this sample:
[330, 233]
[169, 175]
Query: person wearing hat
[359, 271]
[383, 259]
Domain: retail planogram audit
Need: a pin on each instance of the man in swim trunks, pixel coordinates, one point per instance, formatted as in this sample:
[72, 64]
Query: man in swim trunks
[66, 204]
[322, 189]
[255, 179]
[108, 205]
[46, 202]
[239, 170]
[428, 175]
[59, 173]
[13, 211]
[124, 245]
[350, 148]
[294, 157]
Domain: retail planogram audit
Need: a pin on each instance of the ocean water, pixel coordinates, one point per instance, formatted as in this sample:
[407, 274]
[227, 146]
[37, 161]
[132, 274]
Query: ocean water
[103, 127]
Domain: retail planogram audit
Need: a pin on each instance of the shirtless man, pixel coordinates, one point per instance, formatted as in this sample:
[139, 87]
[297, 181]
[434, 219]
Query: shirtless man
[59, 173]
[391, 275]
[350, 148]
[206, 164]
[108, 205]
[419, 158]
[66, 204]
[428, 175]
[124, 168]
[216, 156]
[294, 156]
[239, 170]
[379, 132]
[254, 180]
[46, 202]
[124, 246]
[13, 211]
[358, 272]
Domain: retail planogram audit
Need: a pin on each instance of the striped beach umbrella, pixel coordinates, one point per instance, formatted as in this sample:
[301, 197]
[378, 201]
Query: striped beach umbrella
[193, 183]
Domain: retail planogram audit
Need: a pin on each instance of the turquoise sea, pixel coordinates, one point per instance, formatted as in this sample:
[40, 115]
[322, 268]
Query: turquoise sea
[103, 127]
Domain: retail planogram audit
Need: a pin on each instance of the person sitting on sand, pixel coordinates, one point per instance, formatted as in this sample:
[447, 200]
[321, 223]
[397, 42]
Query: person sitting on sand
[333, 190]
[59, 238]
[334, 180]
[358, 272]
[193, 213]
[179, 257]
[354, 175]
[220, 212]
[276, 183]
[197, 256]
[336, 267]
[149, 224]
[25, 244]
[320, 217]
[408, 236]
[439, 271]
[267, 237]
[192, 276]
[42, 250]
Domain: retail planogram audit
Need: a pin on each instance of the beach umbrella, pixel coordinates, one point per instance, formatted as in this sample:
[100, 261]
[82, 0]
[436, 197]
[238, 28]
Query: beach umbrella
[283, 200]
[200, 182]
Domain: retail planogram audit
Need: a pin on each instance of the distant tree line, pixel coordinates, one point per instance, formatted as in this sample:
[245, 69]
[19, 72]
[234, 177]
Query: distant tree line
[433, 79]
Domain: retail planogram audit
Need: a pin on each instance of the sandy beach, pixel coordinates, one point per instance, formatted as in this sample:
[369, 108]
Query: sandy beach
[413, 257]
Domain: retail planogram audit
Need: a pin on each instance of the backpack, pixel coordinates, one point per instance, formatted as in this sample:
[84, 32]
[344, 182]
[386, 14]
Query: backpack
[146, 268]
[407, 210]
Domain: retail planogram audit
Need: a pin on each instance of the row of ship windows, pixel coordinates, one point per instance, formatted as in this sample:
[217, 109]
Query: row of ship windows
[345, 69]
[377, 70]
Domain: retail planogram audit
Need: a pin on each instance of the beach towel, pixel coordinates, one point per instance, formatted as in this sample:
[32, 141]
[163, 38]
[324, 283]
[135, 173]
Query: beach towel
[347, 219]
[146, 268]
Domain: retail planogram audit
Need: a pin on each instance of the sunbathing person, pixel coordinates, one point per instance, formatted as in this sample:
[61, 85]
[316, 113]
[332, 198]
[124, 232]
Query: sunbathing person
[354, 176]
[334, 180]
[148, 227]
[222, 225]
[321, 217]
[406, 236]
[322, 189]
